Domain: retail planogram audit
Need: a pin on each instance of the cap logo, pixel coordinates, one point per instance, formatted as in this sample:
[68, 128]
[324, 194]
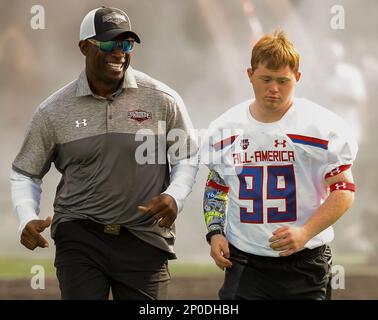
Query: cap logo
[115, 18]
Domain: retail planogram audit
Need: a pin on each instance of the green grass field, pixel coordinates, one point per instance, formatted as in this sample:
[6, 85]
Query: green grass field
[11, 267]
[20, 267]
[189, 281]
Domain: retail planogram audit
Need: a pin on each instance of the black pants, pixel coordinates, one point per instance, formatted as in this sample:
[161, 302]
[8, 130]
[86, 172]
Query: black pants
[303, 275]
[90, 262]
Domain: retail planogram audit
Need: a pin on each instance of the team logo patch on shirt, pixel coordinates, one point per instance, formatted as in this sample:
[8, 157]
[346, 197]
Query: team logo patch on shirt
[139, 115]
[244, 143]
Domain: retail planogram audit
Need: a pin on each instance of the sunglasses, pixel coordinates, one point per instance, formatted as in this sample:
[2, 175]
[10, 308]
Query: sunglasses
[110, 46]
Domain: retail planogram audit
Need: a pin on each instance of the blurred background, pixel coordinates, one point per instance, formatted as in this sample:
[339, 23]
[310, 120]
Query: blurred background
[202, 49]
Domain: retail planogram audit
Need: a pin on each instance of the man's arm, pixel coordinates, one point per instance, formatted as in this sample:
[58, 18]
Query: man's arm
[167, 205]
[26, 195]
[214, 210]
[289, 240]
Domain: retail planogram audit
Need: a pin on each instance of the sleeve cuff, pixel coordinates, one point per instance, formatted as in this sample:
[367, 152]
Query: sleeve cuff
[26, 213]
[212, 233]
[179, 203]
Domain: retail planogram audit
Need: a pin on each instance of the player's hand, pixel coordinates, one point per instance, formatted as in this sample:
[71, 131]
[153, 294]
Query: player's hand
[164, 209]
[30, 236]
[288, 240]
[220, 251]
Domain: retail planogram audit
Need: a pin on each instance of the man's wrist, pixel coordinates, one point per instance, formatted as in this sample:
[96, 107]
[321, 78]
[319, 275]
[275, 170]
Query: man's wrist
[307, 232]
[174, 200]
[25, 213]
[178, 202]
[213, 233]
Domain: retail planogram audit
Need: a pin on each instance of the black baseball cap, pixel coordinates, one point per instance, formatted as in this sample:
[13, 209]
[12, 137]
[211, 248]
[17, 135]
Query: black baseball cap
[105, 24]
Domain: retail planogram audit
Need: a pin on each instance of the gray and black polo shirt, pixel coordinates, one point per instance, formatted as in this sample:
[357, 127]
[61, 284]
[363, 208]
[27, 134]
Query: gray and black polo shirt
[93, 143]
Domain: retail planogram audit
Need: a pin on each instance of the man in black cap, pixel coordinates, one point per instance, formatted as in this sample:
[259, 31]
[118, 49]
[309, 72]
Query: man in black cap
[119, 196]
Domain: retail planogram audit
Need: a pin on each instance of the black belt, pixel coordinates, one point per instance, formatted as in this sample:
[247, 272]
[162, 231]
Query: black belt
[113, 229]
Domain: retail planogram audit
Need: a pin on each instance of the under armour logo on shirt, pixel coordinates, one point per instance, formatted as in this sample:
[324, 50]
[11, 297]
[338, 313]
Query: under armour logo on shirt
[81, 123]
[277, 143]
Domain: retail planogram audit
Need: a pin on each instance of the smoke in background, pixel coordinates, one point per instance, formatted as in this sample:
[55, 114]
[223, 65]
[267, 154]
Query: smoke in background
[201, 48]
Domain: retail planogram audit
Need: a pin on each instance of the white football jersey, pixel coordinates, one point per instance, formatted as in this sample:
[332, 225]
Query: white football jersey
[276, 171]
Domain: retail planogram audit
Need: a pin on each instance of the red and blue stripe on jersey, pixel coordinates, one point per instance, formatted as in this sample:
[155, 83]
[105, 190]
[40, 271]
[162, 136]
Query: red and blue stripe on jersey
[311, 141]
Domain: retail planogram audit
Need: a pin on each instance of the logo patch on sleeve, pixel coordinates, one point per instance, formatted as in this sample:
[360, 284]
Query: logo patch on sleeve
[244, 143]
[139, 115]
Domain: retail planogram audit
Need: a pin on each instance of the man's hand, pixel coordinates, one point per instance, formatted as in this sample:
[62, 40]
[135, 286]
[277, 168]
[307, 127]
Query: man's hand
[30, 236]
[288, 240]
[220, 251]
[164, 209]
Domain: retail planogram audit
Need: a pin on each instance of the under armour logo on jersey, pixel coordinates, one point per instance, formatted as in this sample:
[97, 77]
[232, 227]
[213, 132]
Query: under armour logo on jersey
[340, 186]
[338, 170]
[335, 172]
[278, 143]
[81, 123]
